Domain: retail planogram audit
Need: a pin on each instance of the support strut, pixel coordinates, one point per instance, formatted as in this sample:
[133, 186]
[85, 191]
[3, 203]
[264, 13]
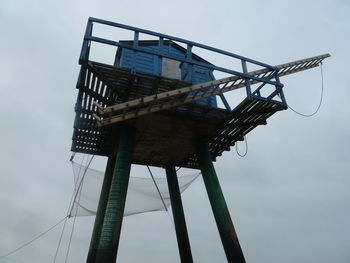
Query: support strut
[178, 214]
[101, 209]
[221, 213]
[113, 219]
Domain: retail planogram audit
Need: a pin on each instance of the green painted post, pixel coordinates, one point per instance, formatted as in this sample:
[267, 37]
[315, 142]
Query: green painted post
[100, 214]
[178, 214]
[221, 213]
[112, 224]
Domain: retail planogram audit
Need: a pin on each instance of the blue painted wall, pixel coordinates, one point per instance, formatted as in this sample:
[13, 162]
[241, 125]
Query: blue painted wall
[150, 64]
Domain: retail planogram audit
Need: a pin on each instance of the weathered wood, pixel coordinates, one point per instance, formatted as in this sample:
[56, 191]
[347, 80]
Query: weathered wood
[177, 97]
[224, 81]
[175, 120]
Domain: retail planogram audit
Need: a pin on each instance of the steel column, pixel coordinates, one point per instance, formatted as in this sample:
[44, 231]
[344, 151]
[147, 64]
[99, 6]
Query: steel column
[112, 224]
[102, 204]
[223, 220]
[178, 214]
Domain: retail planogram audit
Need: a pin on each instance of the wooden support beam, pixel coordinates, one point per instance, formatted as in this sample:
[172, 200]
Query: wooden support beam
[169, 99]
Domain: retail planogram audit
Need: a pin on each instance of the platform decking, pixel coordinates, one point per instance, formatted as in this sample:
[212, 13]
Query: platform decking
[176, 129]
[167, 124]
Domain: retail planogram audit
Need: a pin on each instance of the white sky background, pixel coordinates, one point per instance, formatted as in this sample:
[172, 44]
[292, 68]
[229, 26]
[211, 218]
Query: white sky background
[289, 198]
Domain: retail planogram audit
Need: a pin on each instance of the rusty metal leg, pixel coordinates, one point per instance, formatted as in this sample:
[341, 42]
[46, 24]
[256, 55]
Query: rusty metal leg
[178, 214]
[112, 224]
[217, 201]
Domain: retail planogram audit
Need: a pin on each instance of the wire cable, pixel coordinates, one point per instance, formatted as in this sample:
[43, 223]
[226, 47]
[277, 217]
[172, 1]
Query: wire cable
[81, 181]
[5, 256]
[320, 102]
[12, 260]
[63, 228]
[71, 235]
[155, 183]
[68, 210]
[78, 194]
[246, 148]
[60, 239]
[160, 195]
[33, 239]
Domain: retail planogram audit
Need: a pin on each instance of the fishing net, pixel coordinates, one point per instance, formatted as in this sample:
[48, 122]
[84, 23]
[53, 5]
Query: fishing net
[142, 195]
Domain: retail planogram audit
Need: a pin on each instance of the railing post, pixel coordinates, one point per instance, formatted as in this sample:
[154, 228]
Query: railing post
[190, 65]
[224, 101]
[281, 93]
[135, 44]
[85, 50]
[247, 81]
[160, 58]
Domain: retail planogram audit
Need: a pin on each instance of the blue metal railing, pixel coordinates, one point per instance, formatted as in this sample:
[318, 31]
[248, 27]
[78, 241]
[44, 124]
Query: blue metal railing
[88, 38]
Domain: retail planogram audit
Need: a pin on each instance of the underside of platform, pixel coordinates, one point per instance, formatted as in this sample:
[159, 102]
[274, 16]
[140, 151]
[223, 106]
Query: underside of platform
[164, 138]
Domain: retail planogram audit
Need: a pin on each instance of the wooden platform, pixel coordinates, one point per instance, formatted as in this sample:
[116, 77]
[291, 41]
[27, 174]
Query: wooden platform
[166, 137]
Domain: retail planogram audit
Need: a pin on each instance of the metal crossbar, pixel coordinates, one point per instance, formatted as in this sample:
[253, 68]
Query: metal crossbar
[170, 99]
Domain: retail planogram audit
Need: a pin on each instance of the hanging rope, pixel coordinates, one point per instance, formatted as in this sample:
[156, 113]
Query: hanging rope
[13, 260]
[160, 195]
[69, 208]
[60, 239]
[5, 256]
[32, 240]
[82, 179]
[320, 102]
[155, 183]
[71, 233]
[78, 194]
[246, 148]
[73, 198]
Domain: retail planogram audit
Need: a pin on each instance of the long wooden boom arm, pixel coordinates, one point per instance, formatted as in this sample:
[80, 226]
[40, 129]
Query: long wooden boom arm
[169, 99]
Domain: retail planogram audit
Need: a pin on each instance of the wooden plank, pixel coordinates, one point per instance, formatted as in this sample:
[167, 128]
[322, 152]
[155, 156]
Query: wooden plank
[207, 85]
[173, 95]
[233, 129]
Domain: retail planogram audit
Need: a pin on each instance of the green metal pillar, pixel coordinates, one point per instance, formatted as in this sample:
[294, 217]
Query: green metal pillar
[178, 214]
[102, 204]
[223, 220]
[112, 224]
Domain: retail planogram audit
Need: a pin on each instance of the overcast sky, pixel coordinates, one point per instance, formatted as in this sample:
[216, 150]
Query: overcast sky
[289, 197]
